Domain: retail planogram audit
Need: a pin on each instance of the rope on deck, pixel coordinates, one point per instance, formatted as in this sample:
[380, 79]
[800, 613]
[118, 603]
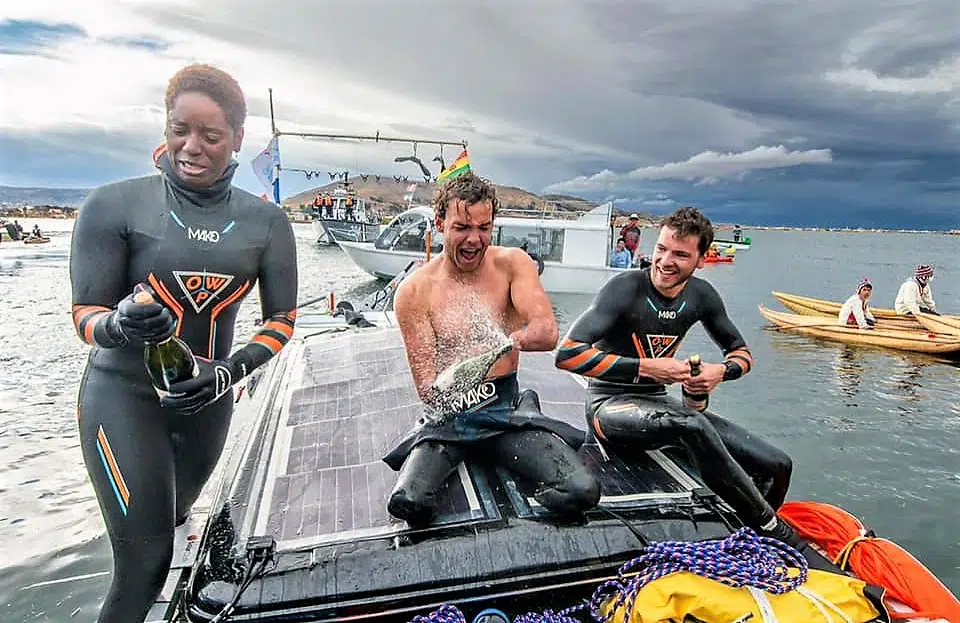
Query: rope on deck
[742, 559]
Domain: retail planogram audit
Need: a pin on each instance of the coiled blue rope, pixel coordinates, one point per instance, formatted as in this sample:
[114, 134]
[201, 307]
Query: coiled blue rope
[742, 559]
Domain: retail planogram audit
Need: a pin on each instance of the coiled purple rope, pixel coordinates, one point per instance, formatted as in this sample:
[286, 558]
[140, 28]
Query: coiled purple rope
[742, 559]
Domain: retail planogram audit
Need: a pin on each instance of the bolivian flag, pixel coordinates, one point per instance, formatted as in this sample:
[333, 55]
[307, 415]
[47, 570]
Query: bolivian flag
[458, 167]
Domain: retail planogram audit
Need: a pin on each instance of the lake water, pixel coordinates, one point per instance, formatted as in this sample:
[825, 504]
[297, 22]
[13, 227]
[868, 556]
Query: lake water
[874, 431]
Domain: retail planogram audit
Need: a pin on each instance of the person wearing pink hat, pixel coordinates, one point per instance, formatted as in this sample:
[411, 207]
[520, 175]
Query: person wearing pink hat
[855, 312]
[915, 295]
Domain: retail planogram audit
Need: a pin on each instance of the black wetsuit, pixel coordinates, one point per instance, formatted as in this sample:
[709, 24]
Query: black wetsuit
[628, 320]
[201, 252]
[497, 422]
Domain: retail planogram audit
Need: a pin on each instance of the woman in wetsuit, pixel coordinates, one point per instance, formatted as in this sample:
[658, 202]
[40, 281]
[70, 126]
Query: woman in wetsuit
[625, 342]
[199, 244]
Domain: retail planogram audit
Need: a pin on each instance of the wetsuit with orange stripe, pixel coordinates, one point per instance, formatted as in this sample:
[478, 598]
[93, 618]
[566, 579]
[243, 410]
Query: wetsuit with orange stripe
[202, 253]
[628, 320]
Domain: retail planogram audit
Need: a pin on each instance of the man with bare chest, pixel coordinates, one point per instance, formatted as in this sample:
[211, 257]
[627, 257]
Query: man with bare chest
[472, 299]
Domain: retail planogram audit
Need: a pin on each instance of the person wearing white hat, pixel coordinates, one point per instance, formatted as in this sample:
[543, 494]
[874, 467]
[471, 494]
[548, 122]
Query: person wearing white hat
[915, 294]
[855, 312]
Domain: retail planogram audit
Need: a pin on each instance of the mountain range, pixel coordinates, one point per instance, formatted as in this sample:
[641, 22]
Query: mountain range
[38, 196]
[385, 195]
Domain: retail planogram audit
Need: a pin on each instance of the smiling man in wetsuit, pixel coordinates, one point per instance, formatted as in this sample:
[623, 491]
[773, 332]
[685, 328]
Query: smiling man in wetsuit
[625, 344]
[465, 302]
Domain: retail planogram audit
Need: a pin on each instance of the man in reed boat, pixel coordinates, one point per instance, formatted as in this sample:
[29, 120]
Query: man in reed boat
[855, 312]
[625, 342]
[473, 299]
[915, 294]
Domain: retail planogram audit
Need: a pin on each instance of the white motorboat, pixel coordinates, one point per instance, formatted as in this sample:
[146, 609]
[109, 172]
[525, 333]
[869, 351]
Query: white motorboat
[342, 215]
[572, 254]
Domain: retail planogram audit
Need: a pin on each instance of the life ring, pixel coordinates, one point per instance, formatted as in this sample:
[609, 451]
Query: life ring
[536, 258]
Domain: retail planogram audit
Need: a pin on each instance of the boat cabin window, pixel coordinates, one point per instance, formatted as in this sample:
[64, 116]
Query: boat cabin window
[547, 243]
[408, 232]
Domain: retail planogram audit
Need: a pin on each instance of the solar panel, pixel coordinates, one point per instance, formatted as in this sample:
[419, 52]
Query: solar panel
[353, 400]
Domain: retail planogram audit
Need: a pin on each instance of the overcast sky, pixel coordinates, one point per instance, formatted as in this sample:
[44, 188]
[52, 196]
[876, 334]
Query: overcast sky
[787, 112]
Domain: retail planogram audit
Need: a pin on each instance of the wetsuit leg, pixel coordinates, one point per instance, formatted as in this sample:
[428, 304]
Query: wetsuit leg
[563, 483]
[769, 466]
[648, 423]
[128, 453]
[424, 472]
[197, 444]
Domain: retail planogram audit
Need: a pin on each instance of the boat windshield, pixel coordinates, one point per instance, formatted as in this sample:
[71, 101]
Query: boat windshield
[408, 232]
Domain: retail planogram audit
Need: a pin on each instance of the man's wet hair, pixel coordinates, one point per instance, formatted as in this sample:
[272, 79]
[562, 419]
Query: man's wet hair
[622, 240]
[468, 187]
[216, 84]
[689, 221]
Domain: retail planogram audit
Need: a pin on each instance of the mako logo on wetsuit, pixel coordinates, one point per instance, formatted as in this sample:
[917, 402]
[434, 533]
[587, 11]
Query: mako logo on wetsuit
[475, 398]
[201, 287]
[204, 235]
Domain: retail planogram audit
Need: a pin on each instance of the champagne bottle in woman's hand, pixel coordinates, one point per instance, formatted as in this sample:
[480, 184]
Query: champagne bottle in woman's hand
[168, 361]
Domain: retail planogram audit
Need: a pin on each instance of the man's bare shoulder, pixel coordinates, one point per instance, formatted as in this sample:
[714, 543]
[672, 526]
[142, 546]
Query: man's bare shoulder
[419, 282]
[508, 260]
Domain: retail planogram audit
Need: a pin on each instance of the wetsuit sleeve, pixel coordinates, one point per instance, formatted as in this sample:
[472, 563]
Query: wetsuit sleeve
[278, 299]
[726, 335]
[98, 269]
[577, 352]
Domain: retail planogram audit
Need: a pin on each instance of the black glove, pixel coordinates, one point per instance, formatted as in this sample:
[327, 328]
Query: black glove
[142, 322]
[216, 377]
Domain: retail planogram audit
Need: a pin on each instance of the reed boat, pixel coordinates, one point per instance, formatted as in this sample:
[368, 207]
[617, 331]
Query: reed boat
[946, 325]
[799, 305]
[296, 529]
[898, 339]
[832, 307]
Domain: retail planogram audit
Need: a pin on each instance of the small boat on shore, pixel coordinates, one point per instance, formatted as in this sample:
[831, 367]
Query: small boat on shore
[297, 527]
[897, 339]
[36, 240]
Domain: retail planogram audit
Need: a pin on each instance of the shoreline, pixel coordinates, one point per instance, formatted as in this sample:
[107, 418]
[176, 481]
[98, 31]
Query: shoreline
[67, 212]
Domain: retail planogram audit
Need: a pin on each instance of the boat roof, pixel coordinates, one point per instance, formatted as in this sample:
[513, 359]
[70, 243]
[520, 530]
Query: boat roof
[311, 479]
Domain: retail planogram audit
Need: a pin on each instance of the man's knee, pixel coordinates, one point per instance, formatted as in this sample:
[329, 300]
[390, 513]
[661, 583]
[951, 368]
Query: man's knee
[414, 507]
[577, 492]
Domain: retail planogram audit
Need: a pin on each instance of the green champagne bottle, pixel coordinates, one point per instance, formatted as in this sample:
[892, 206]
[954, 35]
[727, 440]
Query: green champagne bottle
[697, 402]
[471, 372]
[169, 361]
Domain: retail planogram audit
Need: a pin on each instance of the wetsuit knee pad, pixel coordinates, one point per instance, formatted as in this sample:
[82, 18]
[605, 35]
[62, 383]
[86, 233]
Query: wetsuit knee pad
[406, 506]
[414, 496]
[577, 492]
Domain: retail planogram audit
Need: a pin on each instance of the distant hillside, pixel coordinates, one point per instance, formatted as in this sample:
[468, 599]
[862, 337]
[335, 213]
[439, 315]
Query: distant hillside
[386, 197]
[65, 197]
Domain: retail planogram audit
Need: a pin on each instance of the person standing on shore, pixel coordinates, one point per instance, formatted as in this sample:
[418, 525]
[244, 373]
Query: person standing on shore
[198, 245]
[915, 294]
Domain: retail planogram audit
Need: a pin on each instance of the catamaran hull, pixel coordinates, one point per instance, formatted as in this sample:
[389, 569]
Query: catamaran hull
[556, 278]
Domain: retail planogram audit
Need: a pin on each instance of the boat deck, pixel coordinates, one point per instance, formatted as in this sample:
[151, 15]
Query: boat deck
[311, 478]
